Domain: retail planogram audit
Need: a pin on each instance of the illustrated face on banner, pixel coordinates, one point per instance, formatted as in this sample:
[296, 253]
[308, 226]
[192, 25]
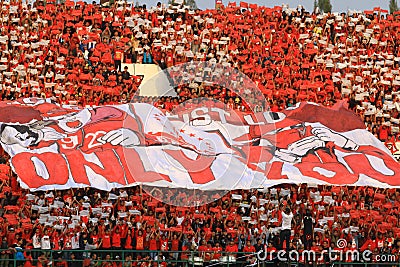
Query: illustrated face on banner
[21, 135]
[49, 129]
[73, 121]
[30, 135]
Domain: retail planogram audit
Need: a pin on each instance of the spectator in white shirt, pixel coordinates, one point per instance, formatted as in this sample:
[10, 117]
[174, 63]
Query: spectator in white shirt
[75, 241]
[45, 241]
[286, 227]
[36, 241]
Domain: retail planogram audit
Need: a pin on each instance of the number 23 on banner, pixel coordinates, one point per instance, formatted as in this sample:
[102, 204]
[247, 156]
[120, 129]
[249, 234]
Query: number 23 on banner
[90, 141]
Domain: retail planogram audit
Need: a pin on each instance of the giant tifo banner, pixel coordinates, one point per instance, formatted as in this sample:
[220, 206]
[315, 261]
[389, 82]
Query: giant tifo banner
[204, 148]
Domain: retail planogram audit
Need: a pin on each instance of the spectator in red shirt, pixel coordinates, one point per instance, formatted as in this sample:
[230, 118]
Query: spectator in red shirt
[175, 244]
[106, 240]
[29, 260]
[217, 249]
[139, 242]
[164, 242]
[154, 244]
[250, 251]
[129, 240]
[116, 238]
[202, 249]
[231, 249]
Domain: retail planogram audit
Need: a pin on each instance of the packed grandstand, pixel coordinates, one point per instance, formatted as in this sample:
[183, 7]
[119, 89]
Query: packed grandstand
[73, 53]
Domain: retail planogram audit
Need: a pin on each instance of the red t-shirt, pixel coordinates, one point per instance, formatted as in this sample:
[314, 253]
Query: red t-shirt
[11, 238]
[202, 248]
[185, 256]
[153, 244]
[128, 242]
[28, 262]
[140, 243]
[208, 251]
[106, 241]
[217, 252]
[118, 55]
[175, 245]
[116, 240]
[249, 249]
[231, 248]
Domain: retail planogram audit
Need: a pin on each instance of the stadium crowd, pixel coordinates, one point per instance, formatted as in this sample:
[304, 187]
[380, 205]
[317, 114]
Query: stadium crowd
[73, 53]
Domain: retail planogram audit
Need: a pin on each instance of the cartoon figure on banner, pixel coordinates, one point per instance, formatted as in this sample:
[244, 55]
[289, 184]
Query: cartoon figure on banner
[315, 150]
[91, 129]
[84, 130]
[46, 152]
[105, 133]
[319, 152]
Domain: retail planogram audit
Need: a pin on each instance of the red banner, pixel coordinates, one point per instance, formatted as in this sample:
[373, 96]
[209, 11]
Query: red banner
[206, 147]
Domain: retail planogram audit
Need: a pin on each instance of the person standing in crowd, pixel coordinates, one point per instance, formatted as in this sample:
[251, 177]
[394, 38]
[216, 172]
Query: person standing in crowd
[75, 243]
[29, 260]
[154, 244]
[286, 227]
[19, 253]
[147, 58]
[308, 229]
[118, 56]
[384, 132]
[250, 252]
[36, 241]
[43, 260]
[139, 242]
[45, 243]
[4, 256]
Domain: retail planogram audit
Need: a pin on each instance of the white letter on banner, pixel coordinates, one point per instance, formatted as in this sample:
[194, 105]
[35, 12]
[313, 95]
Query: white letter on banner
[221, 113]
[249, 119]
[185, 118]
[206, 117]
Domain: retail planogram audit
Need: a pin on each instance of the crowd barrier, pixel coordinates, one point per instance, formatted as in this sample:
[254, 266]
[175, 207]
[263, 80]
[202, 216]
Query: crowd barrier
[130, 258]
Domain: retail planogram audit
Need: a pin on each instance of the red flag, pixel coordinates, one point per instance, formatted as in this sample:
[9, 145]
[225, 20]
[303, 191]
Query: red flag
[253, 6]
[244, 5]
